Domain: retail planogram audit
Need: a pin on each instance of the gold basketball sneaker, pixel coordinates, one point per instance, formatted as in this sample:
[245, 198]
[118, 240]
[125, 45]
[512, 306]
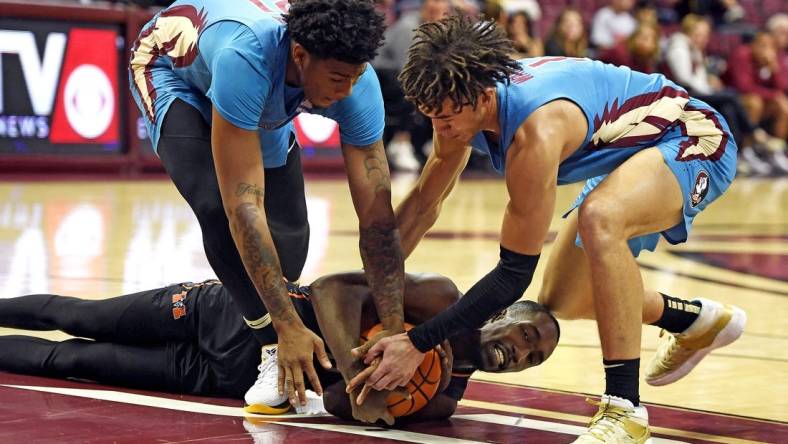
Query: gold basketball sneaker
[717, 325]
[617, 422]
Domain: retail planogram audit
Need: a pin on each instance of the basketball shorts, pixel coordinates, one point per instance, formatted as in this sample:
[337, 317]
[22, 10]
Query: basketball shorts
[700, 151]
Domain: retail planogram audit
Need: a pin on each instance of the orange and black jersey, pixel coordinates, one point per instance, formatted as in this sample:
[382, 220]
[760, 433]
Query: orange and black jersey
[225, 337]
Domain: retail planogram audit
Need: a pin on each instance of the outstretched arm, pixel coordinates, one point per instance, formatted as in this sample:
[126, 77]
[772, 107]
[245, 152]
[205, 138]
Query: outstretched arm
[370, 187]
[338, 301]
[421, 207]
[239, 172]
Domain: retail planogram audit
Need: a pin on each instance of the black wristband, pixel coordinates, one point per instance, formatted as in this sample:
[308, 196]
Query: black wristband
[499, 289]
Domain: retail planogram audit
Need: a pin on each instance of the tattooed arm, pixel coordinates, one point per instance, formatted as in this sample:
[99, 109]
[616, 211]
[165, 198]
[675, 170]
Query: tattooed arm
[370, 188]
[240, 174]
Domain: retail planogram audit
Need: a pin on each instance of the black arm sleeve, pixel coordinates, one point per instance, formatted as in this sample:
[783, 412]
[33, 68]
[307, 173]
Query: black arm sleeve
[499, 289]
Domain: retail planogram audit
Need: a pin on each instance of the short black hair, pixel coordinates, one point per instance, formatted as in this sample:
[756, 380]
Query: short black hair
[455, 58]
[524, 307]
[350, 31]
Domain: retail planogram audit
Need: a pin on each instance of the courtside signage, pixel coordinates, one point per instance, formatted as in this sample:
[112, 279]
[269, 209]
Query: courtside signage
[59, 91]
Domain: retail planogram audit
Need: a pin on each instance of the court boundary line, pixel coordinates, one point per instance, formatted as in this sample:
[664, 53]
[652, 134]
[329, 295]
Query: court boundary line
[214, 409]
[666, 406]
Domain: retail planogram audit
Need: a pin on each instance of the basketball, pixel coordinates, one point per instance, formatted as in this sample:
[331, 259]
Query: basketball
[422, 386]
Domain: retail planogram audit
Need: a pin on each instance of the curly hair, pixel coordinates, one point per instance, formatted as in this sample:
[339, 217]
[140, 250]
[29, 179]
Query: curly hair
[455, 58]
[350, 31]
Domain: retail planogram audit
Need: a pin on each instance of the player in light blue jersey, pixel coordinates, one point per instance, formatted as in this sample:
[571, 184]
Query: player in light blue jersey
[219, 83]
[653, 158]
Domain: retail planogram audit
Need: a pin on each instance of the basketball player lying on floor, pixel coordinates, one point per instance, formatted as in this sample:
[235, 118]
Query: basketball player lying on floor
[161, 340]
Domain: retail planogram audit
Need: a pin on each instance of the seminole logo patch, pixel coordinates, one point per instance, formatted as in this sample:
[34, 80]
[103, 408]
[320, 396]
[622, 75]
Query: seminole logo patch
[700, 189]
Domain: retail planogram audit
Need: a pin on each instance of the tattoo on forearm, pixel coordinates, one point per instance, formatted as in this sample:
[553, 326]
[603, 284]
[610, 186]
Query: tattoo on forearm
[383, 264]
[262, 263]
[251, 189]
[377, 170]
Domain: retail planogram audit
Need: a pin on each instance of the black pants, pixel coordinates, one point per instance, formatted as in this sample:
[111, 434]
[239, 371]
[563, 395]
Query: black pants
[401, 115]
[728, 104]
[139, 342]
[185, 150]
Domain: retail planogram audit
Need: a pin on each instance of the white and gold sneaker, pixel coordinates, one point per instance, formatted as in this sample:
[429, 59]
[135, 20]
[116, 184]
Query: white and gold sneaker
[717, 325]
[263, 397]
[617, 422]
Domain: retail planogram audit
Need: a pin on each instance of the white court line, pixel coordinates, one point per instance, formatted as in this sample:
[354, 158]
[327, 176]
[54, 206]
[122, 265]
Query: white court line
[377, 432]
[155, 401]
[212, 409]
[371, 431]
[546, 426]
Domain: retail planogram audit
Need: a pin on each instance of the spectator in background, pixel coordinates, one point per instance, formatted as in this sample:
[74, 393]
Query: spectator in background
[568, 37]
[687, 65]
[389, 10]
[686, 56]
[494, 12]
[778, 28]
[613, 23]
[519, 28]
[407, 131]
[646, 12]
[754, 71]
[639, 52]
[722, 12]
[530, 7]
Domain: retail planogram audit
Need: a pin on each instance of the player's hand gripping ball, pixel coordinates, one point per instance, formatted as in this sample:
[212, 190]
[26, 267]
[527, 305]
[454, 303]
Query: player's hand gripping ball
[421, 387]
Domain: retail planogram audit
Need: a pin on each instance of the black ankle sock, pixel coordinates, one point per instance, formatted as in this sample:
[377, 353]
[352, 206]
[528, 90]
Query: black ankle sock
[678, 314]
[621, 379]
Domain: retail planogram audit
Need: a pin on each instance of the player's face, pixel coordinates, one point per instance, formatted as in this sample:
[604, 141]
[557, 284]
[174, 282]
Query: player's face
[457, 125]
[326, 81]
[512, 345]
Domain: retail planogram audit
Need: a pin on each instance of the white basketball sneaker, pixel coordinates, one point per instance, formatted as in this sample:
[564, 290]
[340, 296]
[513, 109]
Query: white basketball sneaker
[314, 405]
[263, 397]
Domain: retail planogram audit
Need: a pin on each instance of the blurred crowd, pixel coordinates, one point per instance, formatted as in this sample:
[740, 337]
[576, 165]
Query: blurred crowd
[731, 54]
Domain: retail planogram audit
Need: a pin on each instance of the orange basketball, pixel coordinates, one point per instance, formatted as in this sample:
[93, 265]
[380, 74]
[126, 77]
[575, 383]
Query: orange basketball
[422, 386]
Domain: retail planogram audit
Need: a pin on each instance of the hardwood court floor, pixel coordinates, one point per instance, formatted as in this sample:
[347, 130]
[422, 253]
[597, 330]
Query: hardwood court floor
[100, 239]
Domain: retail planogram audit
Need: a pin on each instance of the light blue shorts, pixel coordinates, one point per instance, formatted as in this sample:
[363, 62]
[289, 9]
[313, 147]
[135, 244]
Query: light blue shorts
[701, 153]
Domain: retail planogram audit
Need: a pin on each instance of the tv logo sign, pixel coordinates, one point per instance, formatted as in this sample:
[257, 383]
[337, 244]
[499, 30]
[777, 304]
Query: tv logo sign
[80, 71]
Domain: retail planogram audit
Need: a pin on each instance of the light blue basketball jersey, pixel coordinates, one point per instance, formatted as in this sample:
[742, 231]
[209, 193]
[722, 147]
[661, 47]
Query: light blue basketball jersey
[626, 111]
[232, 55]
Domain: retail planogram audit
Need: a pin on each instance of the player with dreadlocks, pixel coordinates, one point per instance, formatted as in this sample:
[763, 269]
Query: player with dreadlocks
[653, 158]
[218, 83]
